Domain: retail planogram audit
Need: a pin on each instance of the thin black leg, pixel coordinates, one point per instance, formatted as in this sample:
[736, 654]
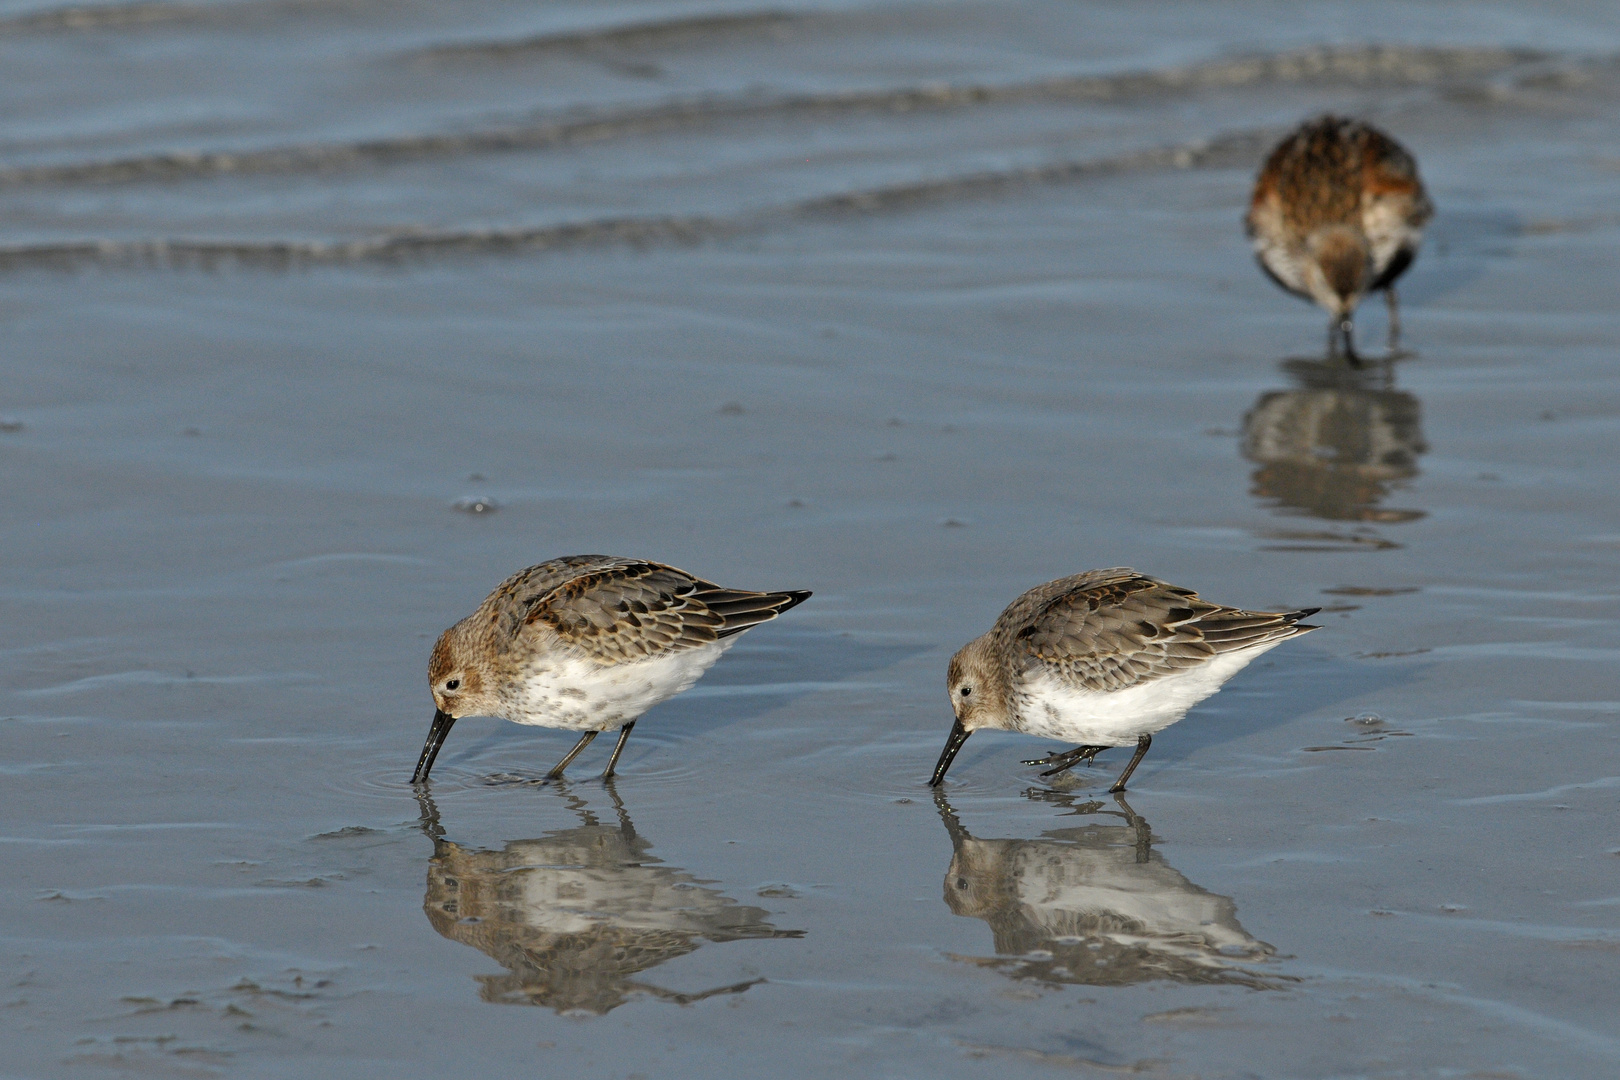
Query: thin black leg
[624, 737]
[1342, 340]
[584, 741]
[1142, 745]
[1394, 319]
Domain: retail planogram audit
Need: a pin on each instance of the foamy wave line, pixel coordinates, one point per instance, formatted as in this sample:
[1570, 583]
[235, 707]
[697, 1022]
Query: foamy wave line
[1383, 65]
[113, 16]
[634, 34]
[1239, 148]
[1225, 151]
[98, 16]
[212, 254]
[646, 34]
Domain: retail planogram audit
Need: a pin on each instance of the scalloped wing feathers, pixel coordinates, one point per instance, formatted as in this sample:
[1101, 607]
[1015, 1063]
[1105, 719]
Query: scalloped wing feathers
[1113, 629]
[618, 611]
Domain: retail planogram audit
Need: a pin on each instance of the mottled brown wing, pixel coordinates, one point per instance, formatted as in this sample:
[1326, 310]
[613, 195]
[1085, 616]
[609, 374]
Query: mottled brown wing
[1109, 630]
[514, 600]
[628, 612]
[1317, 174]
[1389, 172]
[621, 610]
[1327, 170]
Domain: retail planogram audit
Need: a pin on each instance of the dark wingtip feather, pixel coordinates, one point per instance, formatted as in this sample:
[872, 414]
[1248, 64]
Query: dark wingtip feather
[1303, 613]
[743, 610]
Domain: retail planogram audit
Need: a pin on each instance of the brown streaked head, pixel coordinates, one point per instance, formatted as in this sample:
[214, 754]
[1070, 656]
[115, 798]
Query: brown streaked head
[456, 678]
[977, 687]
[457, 681]
[442, 662]
[1340, 263]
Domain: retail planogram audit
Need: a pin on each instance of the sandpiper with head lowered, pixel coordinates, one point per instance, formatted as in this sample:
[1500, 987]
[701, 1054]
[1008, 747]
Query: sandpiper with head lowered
[1105, 658]
[1338, 212]
[587, 643]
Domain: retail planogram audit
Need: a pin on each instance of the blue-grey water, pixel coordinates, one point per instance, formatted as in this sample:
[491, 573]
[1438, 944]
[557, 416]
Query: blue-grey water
[913, 305]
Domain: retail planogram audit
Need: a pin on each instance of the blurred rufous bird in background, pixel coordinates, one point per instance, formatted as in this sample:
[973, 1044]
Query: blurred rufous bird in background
[1338, 212]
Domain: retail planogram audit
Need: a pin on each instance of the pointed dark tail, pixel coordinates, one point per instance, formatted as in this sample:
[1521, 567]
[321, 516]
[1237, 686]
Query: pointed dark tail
[740, 610]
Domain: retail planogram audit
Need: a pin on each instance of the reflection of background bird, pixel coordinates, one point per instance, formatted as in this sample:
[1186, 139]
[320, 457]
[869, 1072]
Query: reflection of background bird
[1095, 906]
[1334, 447]
[573, 915]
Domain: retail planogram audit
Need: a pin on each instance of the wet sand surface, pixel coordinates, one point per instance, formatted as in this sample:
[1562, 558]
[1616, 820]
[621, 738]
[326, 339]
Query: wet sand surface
[913, 306]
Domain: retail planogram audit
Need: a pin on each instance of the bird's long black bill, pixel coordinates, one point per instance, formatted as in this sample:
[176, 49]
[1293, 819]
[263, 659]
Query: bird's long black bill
[442, 723]
[959, 735]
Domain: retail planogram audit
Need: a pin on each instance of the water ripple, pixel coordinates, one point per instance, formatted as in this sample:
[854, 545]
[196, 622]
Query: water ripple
[651, 33]
[1240, 148]
[1379, 64]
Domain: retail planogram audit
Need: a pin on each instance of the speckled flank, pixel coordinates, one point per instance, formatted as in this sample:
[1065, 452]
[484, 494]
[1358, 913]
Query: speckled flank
[554, 689]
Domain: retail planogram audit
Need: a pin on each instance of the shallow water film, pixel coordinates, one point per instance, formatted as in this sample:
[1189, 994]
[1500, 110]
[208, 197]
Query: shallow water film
[320, 317]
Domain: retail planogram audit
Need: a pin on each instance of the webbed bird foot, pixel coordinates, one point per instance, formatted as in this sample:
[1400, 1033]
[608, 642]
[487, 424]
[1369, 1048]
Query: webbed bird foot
[1068, 759]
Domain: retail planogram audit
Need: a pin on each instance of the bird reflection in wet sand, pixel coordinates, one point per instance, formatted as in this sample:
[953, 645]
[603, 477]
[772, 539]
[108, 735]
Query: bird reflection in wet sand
[1095, 905]
[576, 914]
[1335, 446]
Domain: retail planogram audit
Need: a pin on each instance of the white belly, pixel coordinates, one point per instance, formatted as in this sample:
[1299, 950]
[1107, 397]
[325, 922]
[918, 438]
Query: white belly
[565, 691]
[1055, 710]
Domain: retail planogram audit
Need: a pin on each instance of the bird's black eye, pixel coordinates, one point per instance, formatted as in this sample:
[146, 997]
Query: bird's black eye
[966, 690]
[452, 684]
